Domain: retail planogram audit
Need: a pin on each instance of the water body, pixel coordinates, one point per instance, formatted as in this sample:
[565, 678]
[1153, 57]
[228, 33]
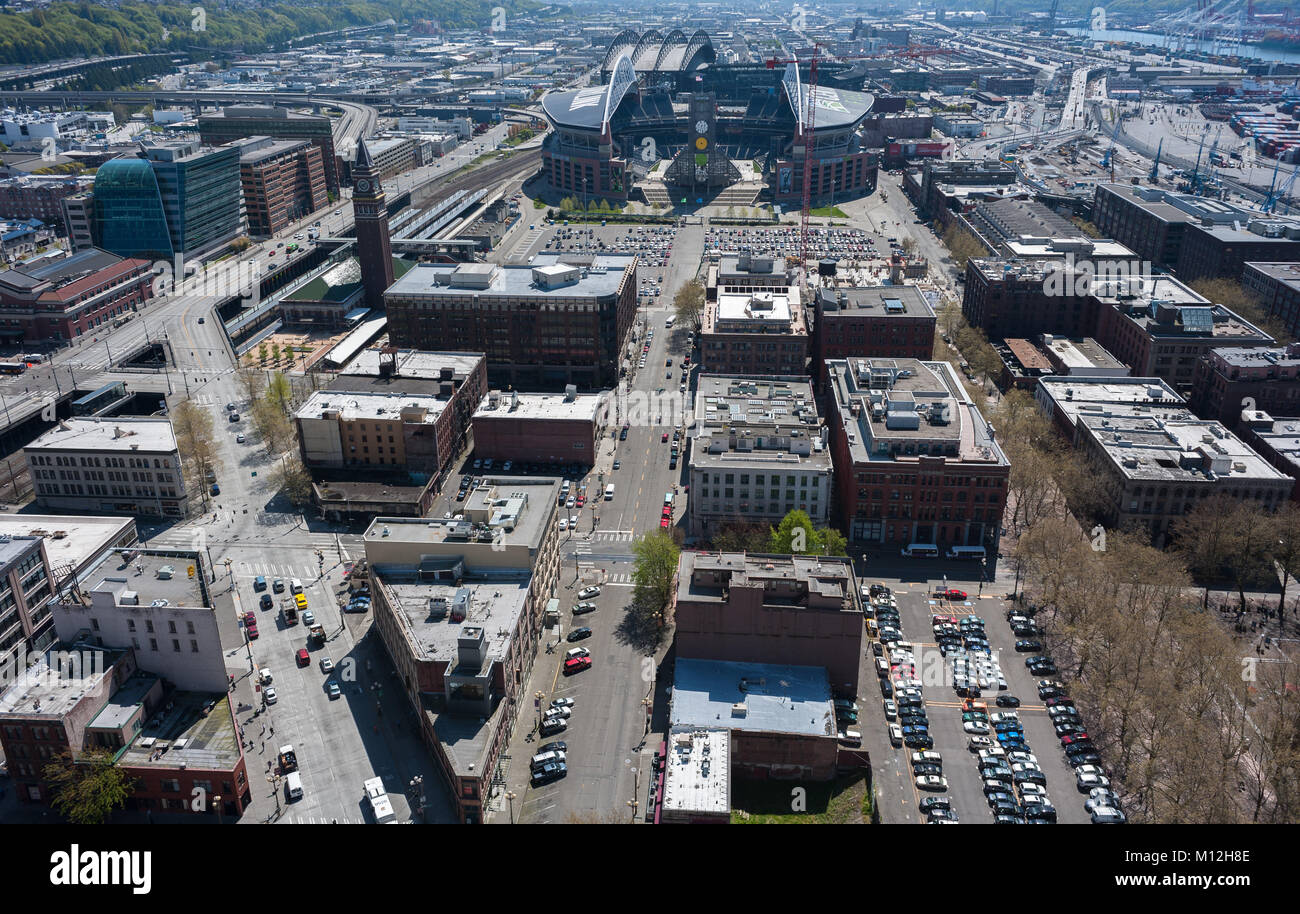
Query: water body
[1253, 51]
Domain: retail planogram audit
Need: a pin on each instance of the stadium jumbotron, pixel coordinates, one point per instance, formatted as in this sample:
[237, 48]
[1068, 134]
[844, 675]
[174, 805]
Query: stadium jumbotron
[670, 124]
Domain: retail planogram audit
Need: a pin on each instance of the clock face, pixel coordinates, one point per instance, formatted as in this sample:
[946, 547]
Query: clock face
[363, 186]
[701, 143]
[701, 126]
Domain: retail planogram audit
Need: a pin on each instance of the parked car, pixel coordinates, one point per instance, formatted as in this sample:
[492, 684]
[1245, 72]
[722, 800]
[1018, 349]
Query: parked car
[588, 592]
[578, 634]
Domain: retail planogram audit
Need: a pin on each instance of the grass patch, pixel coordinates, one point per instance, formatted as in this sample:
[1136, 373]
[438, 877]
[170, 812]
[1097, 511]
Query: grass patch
[829, 212]
[844, 801]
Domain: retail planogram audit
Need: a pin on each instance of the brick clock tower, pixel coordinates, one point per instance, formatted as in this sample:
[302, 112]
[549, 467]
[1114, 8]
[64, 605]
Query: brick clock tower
[370, 211]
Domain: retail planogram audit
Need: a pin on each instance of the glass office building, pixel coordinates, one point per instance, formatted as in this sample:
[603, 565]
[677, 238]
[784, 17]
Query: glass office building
[129, 216]
[178, 198]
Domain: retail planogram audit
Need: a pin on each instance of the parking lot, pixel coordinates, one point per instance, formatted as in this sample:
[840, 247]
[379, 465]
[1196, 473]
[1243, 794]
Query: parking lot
[783, 241]
[934, 717]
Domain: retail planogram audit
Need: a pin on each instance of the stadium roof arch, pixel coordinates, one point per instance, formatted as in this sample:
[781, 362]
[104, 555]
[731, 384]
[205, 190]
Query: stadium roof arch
[655, 52]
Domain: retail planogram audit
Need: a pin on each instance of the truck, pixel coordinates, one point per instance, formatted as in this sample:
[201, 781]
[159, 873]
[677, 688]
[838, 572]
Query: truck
[288, 760]
[316, 635]
[290, 610]
[380, 805]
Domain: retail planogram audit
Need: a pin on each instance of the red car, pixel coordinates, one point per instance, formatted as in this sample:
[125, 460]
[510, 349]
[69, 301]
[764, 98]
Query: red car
[582, 500]
[664, 438]
[950, 594]
[250, 618]
[252, 632]
[668, 512]
[574, 664]
[664, 523]
[304, 658]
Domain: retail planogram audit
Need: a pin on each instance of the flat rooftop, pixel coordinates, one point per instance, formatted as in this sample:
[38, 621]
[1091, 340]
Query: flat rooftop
[352, 405]
[492, 602]
[1258, 356]
[698, 773]
[1287, 272]
[511, 405]
[194, 730]
[439, 280]
[907, 409]
[708, 694]
[1281, 435]
[873, 301]
[1112, 396]
[757, 400]
[1170, 450]
[111, 435]
[827, 582]
[157, 578]
[1082, 354]
[417, 363]
[505, 511]
[50, 688]
[1030, 247]
[755, 312]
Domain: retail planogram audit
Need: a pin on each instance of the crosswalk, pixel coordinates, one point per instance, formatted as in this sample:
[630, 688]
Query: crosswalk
[613, 536]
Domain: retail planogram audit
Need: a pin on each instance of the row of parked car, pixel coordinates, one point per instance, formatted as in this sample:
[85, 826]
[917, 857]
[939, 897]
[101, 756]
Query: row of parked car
[1102, 804]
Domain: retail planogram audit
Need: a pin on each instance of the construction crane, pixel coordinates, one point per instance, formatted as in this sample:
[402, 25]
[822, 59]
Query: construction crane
[1108, 160]
[808, 108]
[1275, 195]
[1155, 166]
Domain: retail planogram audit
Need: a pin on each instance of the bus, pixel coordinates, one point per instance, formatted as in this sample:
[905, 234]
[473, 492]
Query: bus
[12, 367]
[96, 401]
[921, 550]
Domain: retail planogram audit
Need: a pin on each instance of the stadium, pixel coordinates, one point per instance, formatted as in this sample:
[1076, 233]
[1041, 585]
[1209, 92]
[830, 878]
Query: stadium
[669, 124]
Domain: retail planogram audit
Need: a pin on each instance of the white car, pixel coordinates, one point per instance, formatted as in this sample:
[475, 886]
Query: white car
[1091, 781]
[326, 665]
[269, 695]
[932, 782]
[927, 755]
[1028, 790]
[564, 713]
[979, 743]
[308, 617]
[975, 728]
[264, 675]
[588, 592]
[564, 523]
[895, 735]
[891, 709]
[563, 703]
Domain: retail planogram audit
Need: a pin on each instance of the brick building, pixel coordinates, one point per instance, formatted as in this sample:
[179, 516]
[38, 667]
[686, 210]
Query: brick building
[61, 300]
[35, 197]
[781, 609]
[915, 461]
[283, 182]
[542, 327]
[546, 428]
[1228, 381]
[892, 321]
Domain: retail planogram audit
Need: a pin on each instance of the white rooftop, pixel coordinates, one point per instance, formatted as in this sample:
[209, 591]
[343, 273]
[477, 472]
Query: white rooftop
[352, 405]
[510, 404]
[698, 772]
[152, 435]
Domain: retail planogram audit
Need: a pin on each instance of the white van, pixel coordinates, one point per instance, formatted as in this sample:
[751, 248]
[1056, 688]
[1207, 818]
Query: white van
[293, 786]
[921, 550]
[851, 738]
[295, 586]
[966, 552]
[609, 492]
[542, 758]
[669, 322]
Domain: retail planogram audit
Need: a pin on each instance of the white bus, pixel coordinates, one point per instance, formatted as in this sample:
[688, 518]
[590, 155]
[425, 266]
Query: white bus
[921, 550]
[966, 552]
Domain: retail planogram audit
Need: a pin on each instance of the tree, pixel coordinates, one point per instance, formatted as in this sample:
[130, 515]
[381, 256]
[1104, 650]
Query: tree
[962, 245]
[689, 302]
[739, 536]
[909, 245]
[656, 567]
[280, 391]
[1232, 294]
[796, 535]
[87, 790]
[240, 244]
[292, 478]
[196, 445]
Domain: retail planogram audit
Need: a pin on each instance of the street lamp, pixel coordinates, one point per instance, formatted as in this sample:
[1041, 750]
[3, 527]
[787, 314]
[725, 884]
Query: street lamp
[510, 796]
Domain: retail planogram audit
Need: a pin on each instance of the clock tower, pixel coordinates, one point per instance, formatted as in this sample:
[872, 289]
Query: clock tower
[370, 211]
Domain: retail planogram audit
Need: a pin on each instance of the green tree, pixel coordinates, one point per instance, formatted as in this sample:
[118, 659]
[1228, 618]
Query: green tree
[962, 245]
[689, 302]
[192, 426]
[293, 479]
[656, 567]
[87, 790]
[796, 535]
